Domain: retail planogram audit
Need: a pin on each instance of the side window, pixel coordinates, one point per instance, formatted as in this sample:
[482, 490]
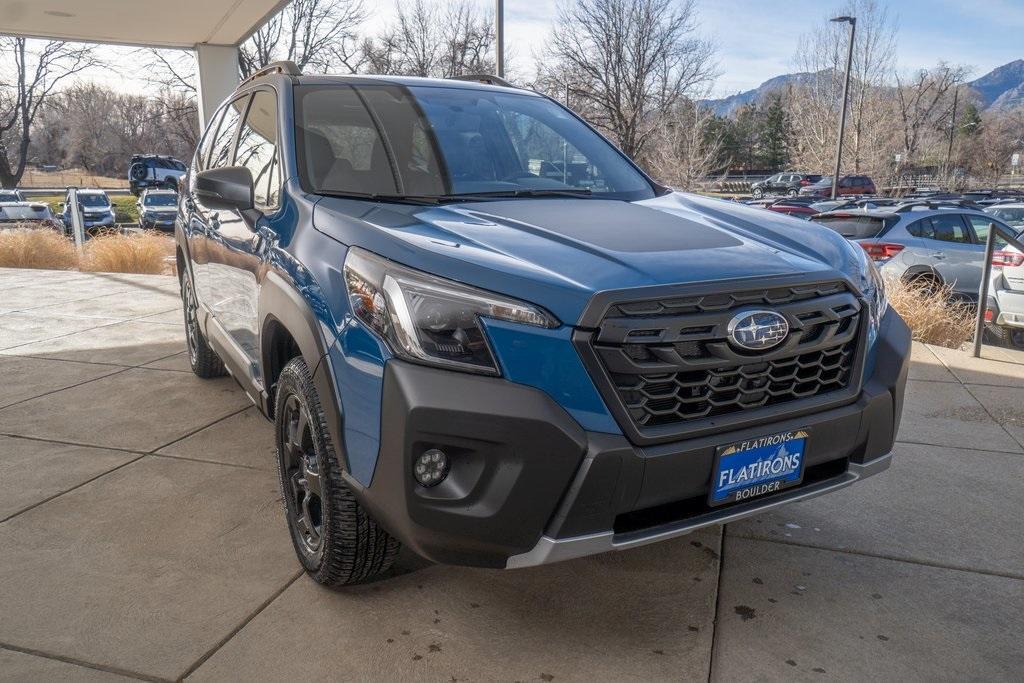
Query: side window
[950, 228]
[981, 226]
[339, 148]
[220, 152]
[257, 149]
[922, 228]
[203, 151]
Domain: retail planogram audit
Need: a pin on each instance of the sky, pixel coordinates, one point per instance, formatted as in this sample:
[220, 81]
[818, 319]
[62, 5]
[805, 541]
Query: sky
[756, 40]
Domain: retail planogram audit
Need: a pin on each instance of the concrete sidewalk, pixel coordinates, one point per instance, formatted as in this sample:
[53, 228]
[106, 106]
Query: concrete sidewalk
[141, 535]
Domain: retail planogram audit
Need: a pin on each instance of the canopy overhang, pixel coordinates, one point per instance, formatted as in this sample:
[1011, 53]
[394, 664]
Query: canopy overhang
[143, 23]
[213, 28]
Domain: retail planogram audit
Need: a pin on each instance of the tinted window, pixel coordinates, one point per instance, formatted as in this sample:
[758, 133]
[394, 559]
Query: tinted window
[220, 152]
[944, 228]
[855, 227]
[496, 141]
[93, 200]
[257, 149]
[339, 147]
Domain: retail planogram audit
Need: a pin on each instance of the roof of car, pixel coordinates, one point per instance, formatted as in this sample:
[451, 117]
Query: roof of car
[160, 191]
[1007, 205]
[363, 79]
[92, 191]
[890, 212]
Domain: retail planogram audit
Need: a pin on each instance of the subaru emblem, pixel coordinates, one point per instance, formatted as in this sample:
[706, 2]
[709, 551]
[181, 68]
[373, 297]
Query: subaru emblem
[757, 330]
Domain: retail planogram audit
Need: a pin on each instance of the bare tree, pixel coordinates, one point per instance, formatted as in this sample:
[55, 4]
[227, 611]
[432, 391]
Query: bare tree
[433, 39]
[318, 35]
[631, 62]
[685, 149]
[924, 104]
[24, 90]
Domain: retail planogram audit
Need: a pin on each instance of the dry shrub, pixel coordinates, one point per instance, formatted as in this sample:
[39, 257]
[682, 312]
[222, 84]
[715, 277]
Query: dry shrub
[932, 316]
[148, 252]
[36, 248]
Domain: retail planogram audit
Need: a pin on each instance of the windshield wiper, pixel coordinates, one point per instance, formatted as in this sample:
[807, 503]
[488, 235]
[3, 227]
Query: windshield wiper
[529, 192]
[385, 197]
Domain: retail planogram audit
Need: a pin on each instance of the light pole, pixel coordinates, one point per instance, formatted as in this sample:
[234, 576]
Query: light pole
[499, 38]
[846, 91]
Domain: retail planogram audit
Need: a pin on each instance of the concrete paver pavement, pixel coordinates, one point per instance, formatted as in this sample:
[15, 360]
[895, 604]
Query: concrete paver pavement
[142, 536]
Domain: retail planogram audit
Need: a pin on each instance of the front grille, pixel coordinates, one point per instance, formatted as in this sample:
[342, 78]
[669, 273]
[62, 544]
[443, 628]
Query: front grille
[668, 362]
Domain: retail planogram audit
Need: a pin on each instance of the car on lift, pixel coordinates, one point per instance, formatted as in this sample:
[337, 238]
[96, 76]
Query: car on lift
[157, 209]
[153, 171]
[498, 364]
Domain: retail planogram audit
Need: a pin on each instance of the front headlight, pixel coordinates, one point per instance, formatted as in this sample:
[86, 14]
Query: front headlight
[429, 319]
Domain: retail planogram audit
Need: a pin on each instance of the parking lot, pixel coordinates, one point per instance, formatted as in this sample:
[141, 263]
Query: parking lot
[142, 536]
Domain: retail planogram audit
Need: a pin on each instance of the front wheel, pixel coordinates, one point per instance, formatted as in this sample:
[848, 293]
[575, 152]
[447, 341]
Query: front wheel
[758, 193]
[336, 540]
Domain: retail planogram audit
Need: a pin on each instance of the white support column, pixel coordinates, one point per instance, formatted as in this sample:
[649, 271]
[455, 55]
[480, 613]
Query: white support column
[218, 76]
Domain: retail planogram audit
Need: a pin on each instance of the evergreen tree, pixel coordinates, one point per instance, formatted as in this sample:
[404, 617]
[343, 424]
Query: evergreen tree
[773, 134]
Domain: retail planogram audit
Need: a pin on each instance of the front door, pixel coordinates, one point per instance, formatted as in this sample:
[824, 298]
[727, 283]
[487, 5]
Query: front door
[238, 246]
[205, 223]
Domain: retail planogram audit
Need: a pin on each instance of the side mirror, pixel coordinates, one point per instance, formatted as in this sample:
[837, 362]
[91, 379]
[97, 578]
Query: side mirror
[226, 188]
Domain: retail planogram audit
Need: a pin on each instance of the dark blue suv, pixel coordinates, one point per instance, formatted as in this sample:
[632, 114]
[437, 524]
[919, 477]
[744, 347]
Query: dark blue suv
[481, 331]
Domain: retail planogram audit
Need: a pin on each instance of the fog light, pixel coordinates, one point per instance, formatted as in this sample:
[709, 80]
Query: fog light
[431, 467]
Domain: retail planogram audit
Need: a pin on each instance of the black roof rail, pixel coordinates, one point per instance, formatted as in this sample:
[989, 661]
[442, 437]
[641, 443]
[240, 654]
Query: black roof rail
[487, 79]
[284, 66]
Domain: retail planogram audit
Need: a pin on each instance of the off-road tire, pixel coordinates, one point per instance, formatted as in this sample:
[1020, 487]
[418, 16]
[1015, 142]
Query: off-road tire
[351, 546]
[204, 361]
[997, 335]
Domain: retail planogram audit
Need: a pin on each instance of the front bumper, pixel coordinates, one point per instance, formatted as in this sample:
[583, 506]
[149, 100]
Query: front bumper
[157, 223]
[529, 486]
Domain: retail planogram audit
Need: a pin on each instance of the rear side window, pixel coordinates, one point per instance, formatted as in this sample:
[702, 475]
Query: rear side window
[856, 227]
[944, 228]
[257, 149]
[220, 152]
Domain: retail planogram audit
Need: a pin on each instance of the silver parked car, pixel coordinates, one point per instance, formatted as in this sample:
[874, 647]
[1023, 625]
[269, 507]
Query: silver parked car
[928, 243]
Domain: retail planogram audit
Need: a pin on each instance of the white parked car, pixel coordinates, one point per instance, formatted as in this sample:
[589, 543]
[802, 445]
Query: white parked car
[1004, 310]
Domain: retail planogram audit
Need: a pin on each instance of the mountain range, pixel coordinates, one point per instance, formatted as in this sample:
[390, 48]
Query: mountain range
[1003, 87]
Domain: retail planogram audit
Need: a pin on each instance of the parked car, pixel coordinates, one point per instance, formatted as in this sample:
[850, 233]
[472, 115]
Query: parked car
[930, 244]
[1011, 214]
[848, 185]
[31, 213]
[97, 210]
[478, 360]
[1004, 310]
[853, 203]
[157, 209]
[147, 171]
[783, 183]
[7, 196]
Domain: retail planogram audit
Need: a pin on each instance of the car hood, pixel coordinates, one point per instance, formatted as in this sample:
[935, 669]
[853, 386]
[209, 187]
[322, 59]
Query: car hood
[559, 252]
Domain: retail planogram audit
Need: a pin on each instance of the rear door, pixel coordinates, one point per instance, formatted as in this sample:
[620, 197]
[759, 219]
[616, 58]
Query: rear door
[952, 250]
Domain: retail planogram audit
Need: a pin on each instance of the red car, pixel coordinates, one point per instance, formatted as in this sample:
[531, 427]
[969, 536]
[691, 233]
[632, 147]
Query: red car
[848, 185]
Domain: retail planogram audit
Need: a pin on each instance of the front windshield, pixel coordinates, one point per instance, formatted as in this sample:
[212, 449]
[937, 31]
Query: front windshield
[452, 141]
[1011, 215]
[9, 197]
[93, 200]
[160, 200]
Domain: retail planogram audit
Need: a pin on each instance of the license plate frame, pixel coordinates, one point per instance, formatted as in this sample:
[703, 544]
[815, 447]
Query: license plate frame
[746, 478]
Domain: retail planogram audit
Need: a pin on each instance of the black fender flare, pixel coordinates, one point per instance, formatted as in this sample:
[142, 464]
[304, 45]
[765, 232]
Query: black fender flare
[280, 303]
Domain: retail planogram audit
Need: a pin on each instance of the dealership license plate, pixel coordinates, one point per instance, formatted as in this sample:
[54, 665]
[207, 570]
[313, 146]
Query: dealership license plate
[758, 467]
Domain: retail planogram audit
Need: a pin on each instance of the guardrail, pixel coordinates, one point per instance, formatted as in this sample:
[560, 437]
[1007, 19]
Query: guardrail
[986, 275]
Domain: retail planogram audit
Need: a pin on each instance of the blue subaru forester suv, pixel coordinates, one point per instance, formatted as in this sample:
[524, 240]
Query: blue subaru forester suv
[482, 332]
